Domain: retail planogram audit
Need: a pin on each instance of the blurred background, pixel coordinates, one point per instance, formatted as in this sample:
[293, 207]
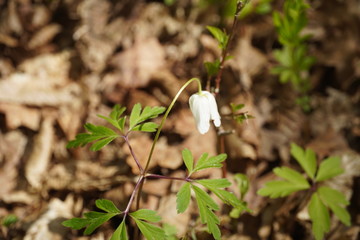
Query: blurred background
[64, 61]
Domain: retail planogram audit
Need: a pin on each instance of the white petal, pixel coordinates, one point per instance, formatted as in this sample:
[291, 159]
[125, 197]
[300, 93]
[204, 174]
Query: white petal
[214, 113]
[200, 108]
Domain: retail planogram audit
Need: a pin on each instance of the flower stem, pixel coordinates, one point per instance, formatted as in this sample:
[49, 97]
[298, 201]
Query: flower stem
[165, 116]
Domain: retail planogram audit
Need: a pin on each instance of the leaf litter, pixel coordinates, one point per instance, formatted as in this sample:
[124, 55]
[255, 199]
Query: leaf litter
[64, 62]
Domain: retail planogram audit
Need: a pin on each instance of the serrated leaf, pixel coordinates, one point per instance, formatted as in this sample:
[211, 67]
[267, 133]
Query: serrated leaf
[199, 193]
[319, 216]
[335, 200]
[103, 134]
[76, 223]
[212, 162]
[117, 111]
[275, 189]
[206, 215]
[292, 176]
[150, 112]
[102, 143]
[121, 122]
[150, 232]
[214, 183]
[188, 159]
[306, 159]
[146, 214]
[92, 220]
[107, 206]
[146, 127]
[183, 198]
[135, 114]
[120, 233]
[329, 168]
[96, 222]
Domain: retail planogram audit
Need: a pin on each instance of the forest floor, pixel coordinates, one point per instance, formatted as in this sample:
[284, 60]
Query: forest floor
[64, 62]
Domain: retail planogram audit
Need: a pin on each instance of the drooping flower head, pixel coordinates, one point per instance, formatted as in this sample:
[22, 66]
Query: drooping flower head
[204, 108]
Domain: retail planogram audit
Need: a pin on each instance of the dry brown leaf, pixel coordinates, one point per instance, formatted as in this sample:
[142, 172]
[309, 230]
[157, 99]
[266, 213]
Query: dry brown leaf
[17, 115]
[248, 60]
[167, 211]
[164, 155]
[44, 36]
[43, 81]
[12, 146]
[41, 16]
[138, 63]
[39, 158]
[48, 226]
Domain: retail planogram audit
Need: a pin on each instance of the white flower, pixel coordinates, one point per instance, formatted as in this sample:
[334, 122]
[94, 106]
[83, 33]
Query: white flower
[203, 106]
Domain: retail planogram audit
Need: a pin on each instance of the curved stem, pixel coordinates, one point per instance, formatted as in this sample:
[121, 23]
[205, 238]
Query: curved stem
[164, 118]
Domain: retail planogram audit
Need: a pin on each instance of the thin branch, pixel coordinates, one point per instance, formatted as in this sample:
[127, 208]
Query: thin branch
[131, 200]
[240, 5]
[133, 153]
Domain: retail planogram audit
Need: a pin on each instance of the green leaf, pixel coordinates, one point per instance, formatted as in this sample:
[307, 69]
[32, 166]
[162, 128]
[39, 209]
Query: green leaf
[188, 160]
[212, 68]
[243, 183]
[121, 122]
[102, 143]
[9, 220]
[97, 133]
[120, 233]
[146, 214]
[306, 159]
[137, 117]
[329, 168]
[319, 216]
[212, 162]
[335, 200]
[216, 185]
[236, 107]
[292, 176]
[219, 35]
[206, 205]
[183, 198]
[92, 219]
[135, 114]
[170, 231]
[210, 203]
[150, 112]
[275, 189]
[76, 223]
[146, 127]
[150, 232]
[107, 206]
[114, 116]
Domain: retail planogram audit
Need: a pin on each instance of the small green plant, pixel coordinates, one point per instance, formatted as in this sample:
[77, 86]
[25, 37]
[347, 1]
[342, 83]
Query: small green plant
[293, 58]
[322, 198]
[123, 126]
[9, 220]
